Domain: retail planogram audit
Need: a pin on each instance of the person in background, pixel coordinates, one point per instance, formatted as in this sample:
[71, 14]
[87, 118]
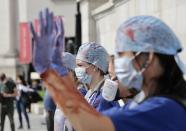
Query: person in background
[50, 108]
[9, 93]
[92, 64]
[60, 122]
[35, 85]
[22, 100]
[1, 96]
[120, 96]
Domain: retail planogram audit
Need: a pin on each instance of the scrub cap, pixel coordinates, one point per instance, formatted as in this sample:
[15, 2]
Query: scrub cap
[69, 60]
[145, 33]
[95, 54]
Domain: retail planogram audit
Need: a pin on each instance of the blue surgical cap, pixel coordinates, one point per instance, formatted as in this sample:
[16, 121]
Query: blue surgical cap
[95, 54]
[69, 60]
[145, 33]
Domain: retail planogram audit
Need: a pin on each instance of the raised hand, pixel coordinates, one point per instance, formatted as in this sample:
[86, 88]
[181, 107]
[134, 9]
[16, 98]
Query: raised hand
[47, 44]
[59, 46]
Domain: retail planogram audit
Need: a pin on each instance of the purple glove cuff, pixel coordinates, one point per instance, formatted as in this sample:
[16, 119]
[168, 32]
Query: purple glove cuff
[60, 69]
[41, 69]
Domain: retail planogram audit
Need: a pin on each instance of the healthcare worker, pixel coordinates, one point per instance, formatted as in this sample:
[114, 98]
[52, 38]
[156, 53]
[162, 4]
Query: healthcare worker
[145, 47]
[92, 64]
[60, 121]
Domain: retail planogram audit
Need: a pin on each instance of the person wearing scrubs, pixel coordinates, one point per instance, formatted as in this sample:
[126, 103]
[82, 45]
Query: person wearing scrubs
[92, 64]
[147, 59]
[59, 119]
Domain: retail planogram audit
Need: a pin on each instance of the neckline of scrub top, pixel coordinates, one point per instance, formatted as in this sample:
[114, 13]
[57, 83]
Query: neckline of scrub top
[137, 99]
[91, 91]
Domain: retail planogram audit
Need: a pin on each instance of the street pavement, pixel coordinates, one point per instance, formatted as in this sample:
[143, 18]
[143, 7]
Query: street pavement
[35, 122]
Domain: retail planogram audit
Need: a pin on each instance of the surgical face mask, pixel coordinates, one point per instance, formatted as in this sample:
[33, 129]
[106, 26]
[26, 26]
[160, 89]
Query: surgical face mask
[127, 75]
[82, 75]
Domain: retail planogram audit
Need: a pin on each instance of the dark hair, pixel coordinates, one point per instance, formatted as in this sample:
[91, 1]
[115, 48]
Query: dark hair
[2, 76]
[22, 80]
[171, 83]
[100, 71]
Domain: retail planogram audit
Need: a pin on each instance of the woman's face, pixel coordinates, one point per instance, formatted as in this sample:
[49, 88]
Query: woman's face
[90, 69]
[147, 61]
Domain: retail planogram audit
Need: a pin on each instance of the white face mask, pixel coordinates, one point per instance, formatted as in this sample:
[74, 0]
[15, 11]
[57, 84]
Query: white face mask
[127, 75]
[82, 75]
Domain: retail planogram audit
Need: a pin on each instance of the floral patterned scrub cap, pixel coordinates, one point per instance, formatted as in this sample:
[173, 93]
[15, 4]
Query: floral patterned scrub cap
[148, 33]
[69, 60]
[95, 54]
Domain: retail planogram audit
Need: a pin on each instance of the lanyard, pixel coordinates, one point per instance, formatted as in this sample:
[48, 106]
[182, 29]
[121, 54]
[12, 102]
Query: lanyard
[95, 94]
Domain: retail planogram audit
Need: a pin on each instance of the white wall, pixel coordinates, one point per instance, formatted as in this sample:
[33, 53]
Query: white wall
[88, 22]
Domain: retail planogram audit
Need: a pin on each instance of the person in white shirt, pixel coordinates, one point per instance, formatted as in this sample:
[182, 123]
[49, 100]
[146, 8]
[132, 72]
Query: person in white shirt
[22, 100]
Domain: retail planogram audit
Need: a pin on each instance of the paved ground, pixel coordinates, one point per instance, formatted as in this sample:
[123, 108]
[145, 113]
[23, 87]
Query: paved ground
[35, 120]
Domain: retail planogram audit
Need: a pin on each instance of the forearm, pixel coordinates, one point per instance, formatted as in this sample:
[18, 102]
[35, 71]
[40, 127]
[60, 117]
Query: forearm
[82, 116]
[9, 94]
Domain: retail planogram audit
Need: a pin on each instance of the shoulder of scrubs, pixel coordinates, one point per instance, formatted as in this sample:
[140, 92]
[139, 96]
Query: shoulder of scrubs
[90, 92]
[154, 114]
[105, 105]
[82, 91]
[137, 100]
[49, 103]
[93, 95]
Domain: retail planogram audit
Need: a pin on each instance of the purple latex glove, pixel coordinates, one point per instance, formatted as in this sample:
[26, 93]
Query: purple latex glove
[59, 46]
[45, 51]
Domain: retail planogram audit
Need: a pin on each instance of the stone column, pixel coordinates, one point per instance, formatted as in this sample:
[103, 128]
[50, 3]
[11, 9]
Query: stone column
[88, 22]
[13, 29]
[8, 37]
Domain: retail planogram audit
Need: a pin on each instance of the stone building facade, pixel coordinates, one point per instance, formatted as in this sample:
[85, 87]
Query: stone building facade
[101, 18]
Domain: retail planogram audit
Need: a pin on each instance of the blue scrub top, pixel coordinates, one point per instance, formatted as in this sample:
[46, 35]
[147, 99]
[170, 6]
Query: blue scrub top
[104, 104]
[48, 102]
[154, 114]
[82, 91]
[99, 103]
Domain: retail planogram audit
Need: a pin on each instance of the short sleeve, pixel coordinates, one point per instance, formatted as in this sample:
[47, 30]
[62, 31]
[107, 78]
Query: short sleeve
[2, 88]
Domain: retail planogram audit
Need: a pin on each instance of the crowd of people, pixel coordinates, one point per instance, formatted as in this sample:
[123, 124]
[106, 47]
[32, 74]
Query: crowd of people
[145, 73]
[20, 92]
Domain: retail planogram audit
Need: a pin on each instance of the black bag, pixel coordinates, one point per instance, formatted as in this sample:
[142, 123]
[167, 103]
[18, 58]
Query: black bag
[24, 98]
[35, 97]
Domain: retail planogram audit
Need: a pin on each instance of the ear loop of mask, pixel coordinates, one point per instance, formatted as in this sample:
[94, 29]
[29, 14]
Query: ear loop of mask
[145, 65]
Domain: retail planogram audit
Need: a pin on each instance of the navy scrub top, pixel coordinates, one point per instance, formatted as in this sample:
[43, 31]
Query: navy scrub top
[154, 114]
